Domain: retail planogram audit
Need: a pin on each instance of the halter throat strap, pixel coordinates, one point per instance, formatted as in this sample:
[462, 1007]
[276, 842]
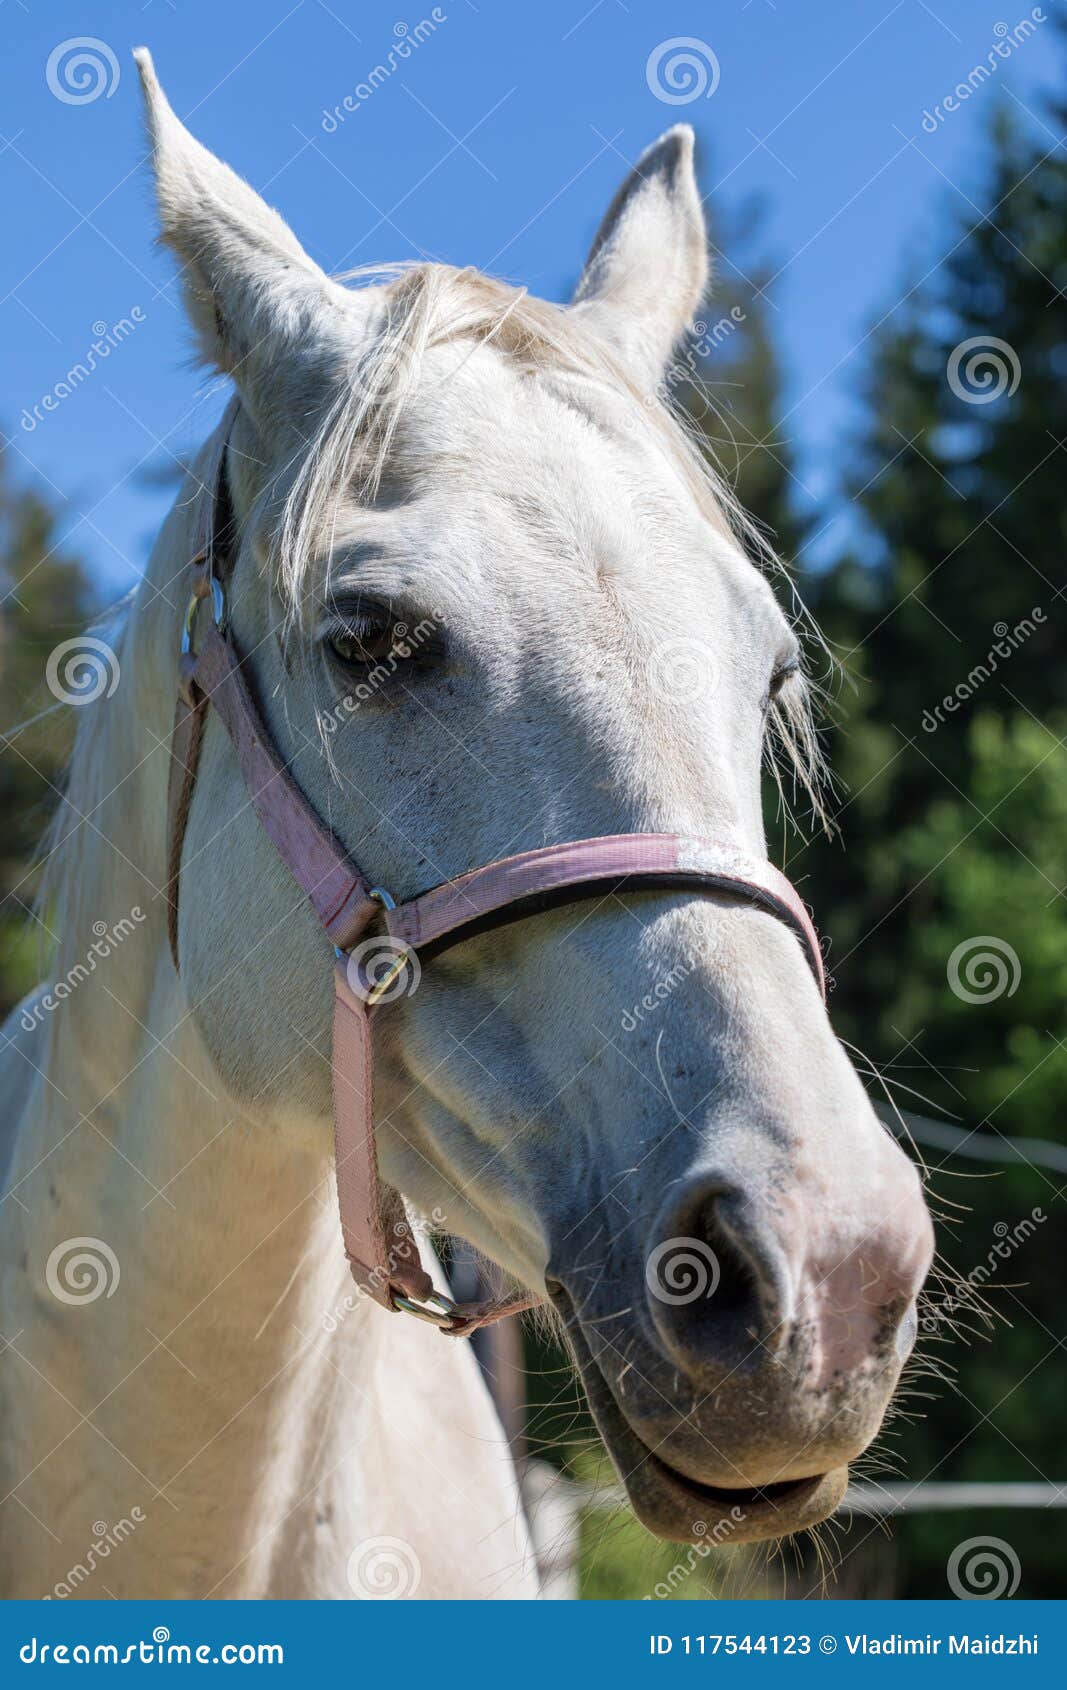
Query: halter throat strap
[381, 1249]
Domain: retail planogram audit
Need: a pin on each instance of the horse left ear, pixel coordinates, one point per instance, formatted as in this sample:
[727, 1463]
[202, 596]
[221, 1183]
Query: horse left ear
[251, 291]
[648, 266]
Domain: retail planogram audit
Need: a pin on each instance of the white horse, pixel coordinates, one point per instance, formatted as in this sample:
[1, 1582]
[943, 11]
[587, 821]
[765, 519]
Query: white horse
[194, 1402]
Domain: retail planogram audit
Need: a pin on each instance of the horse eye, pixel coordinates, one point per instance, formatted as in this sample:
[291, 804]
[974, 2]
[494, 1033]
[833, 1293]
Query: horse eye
[364, 643]
[783, 674]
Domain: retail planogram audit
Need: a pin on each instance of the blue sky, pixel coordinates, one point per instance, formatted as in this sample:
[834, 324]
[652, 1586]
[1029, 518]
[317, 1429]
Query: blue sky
[498, 142]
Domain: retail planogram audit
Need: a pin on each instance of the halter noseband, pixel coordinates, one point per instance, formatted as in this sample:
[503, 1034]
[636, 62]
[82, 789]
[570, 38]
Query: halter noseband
[382, 1251]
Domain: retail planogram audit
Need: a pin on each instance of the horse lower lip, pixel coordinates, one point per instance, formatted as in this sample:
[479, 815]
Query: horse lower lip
[678, 1508]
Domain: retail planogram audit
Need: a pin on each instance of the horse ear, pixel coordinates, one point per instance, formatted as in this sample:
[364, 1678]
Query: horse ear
[648, 266]
[248, 282]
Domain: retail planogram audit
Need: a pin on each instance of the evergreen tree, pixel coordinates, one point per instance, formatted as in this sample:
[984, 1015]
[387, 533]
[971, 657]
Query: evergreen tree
[45, 597]
[947, 903]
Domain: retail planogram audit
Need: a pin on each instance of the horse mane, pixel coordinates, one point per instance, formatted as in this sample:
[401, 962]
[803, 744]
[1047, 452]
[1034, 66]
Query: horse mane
[90, 778]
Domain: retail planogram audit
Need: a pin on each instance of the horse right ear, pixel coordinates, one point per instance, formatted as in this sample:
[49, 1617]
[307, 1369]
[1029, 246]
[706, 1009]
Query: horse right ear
[249, 285]
[648, 267]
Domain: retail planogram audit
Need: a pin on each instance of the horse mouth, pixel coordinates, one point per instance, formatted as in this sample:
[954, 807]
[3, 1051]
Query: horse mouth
[684, 1510]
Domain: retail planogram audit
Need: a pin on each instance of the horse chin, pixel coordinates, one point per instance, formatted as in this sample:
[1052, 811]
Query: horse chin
[682, 1509]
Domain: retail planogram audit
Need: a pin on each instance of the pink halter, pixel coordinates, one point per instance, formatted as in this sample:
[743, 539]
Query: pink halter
[381, 1249]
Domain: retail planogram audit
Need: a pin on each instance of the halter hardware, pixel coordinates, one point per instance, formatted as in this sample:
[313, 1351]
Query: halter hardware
[218, 612]
[444, 1316]
[394, 969]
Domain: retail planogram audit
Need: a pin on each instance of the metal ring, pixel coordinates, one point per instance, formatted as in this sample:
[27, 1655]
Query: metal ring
[445, 1313]
[218, 613]
[218, 603]
[399, 963]
[388, 902]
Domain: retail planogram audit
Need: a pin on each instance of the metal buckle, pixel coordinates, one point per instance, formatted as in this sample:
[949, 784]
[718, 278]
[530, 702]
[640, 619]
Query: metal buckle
[218, 613]
[442, 1316]
[399, 963]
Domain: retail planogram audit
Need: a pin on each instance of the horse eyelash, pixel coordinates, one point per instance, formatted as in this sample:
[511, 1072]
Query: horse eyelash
[786, 673]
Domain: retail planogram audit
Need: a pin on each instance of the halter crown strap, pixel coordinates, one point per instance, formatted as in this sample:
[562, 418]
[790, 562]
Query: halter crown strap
[381, 1248]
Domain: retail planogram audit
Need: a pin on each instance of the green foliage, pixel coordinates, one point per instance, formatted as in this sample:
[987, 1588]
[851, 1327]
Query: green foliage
[45, 598]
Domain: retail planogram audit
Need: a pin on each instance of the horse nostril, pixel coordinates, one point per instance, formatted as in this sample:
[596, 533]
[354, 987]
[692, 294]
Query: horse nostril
[737, 1291]
[717, 1288]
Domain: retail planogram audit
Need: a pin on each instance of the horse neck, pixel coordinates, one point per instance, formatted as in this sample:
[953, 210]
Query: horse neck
[235, 1391]
[218, 1241]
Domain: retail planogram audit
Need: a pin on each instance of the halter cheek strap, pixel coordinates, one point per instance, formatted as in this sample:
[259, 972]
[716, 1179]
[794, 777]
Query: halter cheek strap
[381, 1248]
